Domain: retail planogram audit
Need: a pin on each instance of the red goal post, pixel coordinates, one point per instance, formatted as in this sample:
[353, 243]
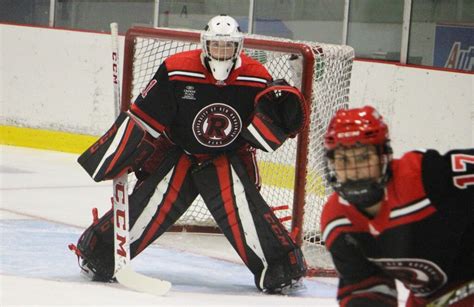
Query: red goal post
[292, 177]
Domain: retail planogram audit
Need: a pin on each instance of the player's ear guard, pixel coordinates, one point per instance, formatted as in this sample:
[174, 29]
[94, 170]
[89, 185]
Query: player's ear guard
[125, 146]
[281, 112]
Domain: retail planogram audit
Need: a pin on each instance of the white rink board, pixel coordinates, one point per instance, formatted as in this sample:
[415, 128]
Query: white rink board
[56, 79]
[424, 108]
[61, 80]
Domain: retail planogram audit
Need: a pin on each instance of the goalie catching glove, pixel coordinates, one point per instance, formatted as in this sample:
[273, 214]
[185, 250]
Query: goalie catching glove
[281, 112]
[125, 146]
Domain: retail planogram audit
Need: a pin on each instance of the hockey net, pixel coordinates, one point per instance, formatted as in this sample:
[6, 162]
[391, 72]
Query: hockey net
[292, 177]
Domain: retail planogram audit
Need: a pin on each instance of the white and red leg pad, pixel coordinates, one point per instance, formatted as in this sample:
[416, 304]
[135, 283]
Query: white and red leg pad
[249, 224]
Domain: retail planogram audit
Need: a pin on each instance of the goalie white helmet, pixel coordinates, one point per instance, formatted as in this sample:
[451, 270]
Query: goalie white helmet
[221, 44]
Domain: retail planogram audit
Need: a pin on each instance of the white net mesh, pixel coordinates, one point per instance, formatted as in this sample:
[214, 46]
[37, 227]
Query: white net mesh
[330, 89]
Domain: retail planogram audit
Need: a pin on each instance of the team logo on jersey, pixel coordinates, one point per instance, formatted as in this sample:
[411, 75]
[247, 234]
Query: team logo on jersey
[217, 125]
[189, 93]
[421, 276]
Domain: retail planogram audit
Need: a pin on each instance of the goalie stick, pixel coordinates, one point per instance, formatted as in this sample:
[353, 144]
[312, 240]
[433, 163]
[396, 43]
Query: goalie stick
[123, 270]
[458, 297]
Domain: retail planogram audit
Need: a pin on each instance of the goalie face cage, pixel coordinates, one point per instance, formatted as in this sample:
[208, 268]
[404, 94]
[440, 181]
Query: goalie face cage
[292, 177]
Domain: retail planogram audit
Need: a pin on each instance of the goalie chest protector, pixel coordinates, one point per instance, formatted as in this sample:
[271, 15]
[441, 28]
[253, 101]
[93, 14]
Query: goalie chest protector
[198, 113]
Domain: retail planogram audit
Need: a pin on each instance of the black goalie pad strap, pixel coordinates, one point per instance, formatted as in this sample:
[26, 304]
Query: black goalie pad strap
[264, 134]
[125, 146]
[284, 105]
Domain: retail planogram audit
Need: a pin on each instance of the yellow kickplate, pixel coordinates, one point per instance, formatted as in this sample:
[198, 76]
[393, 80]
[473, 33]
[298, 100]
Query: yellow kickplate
[45, 139]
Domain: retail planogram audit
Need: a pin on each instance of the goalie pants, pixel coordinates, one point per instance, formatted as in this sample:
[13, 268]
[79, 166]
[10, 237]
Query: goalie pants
[228, 185]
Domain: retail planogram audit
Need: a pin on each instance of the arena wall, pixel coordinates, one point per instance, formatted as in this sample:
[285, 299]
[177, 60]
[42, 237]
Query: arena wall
[60, 80]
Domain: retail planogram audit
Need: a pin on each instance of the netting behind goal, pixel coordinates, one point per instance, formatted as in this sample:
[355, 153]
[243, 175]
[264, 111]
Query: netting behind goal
[293, 176]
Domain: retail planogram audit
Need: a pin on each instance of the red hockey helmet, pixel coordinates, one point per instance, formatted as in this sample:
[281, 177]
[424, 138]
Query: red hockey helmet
[349, 130]
[360, 125]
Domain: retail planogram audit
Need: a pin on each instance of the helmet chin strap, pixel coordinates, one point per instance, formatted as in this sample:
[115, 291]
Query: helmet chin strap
[362, 193]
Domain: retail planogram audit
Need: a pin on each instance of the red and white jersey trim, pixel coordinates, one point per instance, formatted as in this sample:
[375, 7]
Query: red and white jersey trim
[147, 127]
[410, 209]
[333, 225]
[252, 79]
[186, 73]
[383, 289]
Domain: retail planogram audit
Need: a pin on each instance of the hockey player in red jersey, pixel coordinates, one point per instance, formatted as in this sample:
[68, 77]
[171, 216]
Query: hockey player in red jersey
[193, 131]
[410, 219]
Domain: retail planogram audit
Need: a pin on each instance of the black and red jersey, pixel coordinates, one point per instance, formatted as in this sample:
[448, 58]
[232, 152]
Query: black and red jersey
[196, 112]
[423, 234]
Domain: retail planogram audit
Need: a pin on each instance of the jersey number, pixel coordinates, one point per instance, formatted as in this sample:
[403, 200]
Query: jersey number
[149, 87]
[459, 163]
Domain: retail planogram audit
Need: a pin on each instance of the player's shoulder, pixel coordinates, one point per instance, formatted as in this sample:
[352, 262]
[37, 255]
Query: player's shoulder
[334, 219]
[253, 68]
[185, 61]
[247, 60]
[332, 209]
[409, 165]
[406, 183]
[449, 175]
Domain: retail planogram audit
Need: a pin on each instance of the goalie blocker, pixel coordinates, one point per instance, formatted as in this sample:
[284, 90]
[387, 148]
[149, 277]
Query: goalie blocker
[125, 146]
[281, 112]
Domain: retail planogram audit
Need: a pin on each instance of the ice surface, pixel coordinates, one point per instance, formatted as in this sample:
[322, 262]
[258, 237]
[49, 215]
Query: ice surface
[46, 200]
[45, 204]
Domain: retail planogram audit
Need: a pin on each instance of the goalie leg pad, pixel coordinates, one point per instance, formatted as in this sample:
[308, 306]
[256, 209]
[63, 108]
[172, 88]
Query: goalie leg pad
[249, 224]
[167, 199]
[285, 261]
[152, 211]
[96, 248]
[126, 145]
[282, 274]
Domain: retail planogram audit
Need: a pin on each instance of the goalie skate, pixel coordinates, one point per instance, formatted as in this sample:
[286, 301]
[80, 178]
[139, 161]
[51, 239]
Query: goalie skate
[88, 272]
[296, 286]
